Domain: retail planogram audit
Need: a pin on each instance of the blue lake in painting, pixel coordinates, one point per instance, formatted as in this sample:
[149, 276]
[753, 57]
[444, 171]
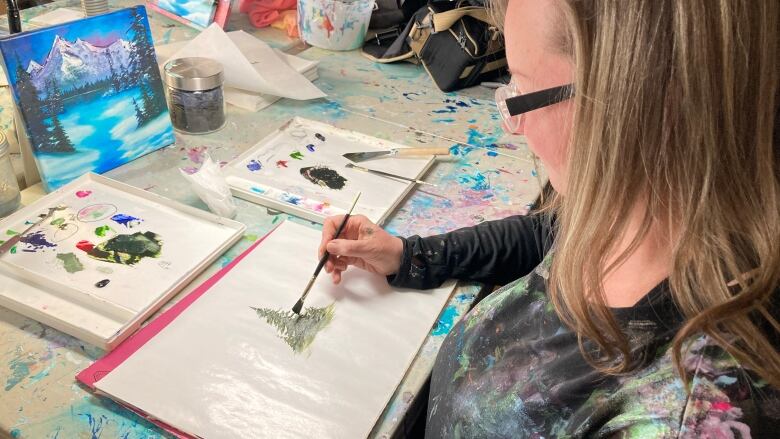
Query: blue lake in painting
[104, 132]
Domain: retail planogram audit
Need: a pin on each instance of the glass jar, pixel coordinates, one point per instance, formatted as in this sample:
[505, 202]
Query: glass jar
[195, 98]
[9, 188]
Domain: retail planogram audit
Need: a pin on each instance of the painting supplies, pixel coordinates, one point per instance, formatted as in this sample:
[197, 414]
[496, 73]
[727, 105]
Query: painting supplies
[88, 94]
[8, 245]
[358, 157]
[106, 257]
[233, 347]
[194, 89]
[14, 19]
[298, 305]
[387, 174]
[334, 24]
[300, 169]
[197, 14]
[9, 187]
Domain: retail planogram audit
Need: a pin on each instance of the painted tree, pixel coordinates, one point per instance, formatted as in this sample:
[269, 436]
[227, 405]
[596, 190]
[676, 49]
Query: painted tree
[139, 115]
[143, 61]
[147, 103]
[32, 107]
[116, 84]
[58, 138]
[53, 97]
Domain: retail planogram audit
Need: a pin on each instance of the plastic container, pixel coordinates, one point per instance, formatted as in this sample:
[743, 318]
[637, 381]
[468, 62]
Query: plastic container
[9, 188]
[334, 24]
[195, 98]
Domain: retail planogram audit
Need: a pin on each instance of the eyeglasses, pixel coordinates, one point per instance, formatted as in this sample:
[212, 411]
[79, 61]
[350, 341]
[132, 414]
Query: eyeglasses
[513, 105]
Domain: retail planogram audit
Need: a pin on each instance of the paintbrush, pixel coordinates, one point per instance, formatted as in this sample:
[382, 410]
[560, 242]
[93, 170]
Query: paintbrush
[297, 308]
[8, 245]
[387, 174]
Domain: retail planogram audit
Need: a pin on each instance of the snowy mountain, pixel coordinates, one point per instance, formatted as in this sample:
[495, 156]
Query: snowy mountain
[74, 64]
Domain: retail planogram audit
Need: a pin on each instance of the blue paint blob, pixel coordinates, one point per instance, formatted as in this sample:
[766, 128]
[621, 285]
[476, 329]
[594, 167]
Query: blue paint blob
[254, 165]
[446, 321]
[292, 199]
[444, 120]
[36, 241]
[257, 190]
[125, 220]
[534, 173]
[492, 154]
[310, 147]
[462, 104]
[447, 109]
[15, 433]
[477, 182]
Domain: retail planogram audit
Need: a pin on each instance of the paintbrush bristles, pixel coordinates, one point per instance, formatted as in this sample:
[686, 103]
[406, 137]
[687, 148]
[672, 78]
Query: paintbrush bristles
[298, 306]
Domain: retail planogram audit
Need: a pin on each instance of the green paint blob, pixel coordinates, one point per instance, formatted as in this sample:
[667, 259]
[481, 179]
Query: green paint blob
[128, 249]
[298, 331]
[103, 231]
[10, 232]
[71, 262]
[297, 155]
[57, 222]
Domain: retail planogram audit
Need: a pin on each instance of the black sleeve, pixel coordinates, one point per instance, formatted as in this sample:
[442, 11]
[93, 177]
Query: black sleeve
[494, 252]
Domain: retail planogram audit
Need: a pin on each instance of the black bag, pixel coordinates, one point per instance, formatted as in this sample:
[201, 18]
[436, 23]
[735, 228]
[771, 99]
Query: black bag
[456, 42]
[389, 14]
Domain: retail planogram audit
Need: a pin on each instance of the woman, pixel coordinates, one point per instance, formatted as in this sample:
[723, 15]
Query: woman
[653, 307]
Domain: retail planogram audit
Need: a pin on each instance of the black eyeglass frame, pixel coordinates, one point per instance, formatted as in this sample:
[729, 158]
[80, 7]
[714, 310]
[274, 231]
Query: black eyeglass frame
[524, 103]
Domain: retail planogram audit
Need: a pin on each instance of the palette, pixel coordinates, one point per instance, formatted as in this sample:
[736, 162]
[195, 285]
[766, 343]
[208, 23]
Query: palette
[299, 169]
[231, 360]
[109, 258]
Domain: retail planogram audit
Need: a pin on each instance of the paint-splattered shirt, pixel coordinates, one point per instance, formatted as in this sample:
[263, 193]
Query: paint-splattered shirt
[510, 368]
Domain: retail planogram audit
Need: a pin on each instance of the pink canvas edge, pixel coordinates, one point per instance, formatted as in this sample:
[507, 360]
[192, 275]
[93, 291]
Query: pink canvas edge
[102, 367]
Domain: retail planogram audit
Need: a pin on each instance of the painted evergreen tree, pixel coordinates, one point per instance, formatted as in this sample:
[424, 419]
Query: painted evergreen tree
[143, 61]
[58, 139]
[114, 78]
[147, 103]
[139, 115]
[298, 331]
[53, 97]
[30, 102]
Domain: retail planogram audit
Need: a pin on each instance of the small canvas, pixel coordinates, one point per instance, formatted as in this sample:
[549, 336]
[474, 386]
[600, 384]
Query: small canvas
[238, 363]
[89, 94]
[300, 169]
[108, 248]
[194, 13]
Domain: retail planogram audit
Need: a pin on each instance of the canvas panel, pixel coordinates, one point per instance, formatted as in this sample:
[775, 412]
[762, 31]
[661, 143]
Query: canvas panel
[192, 12]
[223, 369]
[89, 92]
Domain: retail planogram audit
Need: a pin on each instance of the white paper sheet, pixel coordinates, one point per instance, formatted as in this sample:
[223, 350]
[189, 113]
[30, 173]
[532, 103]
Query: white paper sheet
[219, 370]
[275, 77]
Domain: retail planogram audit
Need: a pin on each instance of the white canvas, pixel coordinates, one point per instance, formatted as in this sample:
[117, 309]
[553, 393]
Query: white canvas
[271, 172]
[186, 242]
[220, 370]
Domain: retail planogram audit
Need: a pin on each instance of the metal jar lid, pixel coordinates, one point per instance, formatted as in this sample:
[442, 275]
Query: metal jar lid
[3, 144]
[194, 74]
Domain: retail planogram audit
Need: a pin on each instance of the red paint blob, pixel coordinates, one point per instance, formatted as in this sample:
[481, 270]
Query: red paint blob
[82, 194]
[85, 246]
[281, 164]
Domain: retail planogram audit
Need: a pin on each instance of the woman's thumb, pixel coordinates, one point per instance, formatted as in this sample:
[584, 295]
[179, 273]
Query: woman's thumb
[348, 247]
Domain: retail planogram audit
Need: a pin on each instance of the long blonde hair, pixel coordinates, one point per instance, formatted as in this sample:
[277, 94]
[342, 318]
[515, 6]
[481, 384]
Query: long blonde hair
[676, 104]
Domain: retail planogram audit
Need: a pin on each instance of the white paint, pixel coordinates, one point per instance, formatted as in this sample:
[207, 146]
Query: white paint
[220, 371]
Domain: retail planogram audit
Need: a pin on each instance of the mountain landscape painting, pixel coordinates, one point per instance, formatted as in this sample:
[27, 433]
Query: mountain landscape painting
[90, 94]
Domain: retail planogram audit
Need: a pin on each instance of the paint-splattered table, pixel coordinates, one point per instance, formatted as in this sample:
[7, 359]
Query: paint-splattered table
[39, 397]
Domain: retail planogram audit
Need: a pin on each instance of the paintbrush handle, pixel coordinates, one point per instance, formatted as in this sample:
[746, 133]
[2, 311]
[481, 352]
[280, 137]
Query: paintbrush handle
[387, 174]
[326, 255]
[407, 152]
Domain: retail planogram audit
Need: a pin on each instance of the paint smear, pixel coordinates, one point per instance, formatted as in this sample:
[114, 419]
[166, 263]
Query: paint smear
[319, 137]
[95, 212]
[57, 222]
[292, 199]
[10, 232]
[104, 270]
[254, 166]
[310, 147]
[70, 262]
[102, 283]
[126, 220]
[298, 331]
[446, 321]
[281, 164]
[83, 194]
[36, 241]
[257, 190]
[102, 231]
[126, 249]
[324, 176]
[297, 155]
[19, 371]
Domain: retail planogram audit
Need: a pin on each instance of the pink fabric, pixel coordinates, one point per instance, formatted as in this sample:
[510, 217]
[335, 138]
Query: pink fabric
[102, 367]
[263, 13]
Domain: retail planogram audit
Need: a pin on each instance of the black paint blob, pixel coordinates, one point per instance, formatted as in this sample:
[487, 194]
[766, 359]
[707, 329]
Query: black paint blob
[320, 137]
[324, 176]
[102, 283]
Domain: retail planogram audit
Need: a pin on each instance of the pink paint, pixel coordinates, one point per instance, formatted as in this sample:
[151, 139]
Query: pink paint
[196, 155]
[281, 164]
[83, 194]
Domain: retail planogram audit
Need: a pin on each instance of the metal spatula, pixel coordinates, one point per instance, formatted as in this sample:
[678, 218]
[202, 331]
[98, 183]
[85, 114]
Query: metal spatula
[358, 157]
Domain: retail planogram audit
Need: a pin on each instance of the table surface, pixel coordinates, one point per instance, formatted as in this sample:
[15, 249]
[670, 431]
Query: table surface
[487, 177]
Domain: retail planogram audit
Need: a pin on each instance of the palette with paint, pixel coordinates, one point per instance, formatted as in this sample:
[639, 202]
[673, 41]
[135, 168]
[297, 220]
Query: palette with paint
[109, 257]
[299, 169]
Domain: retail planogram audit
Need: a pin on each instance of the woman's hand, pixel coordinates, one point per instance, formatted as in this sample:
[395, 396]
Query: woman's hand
[362, 244]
